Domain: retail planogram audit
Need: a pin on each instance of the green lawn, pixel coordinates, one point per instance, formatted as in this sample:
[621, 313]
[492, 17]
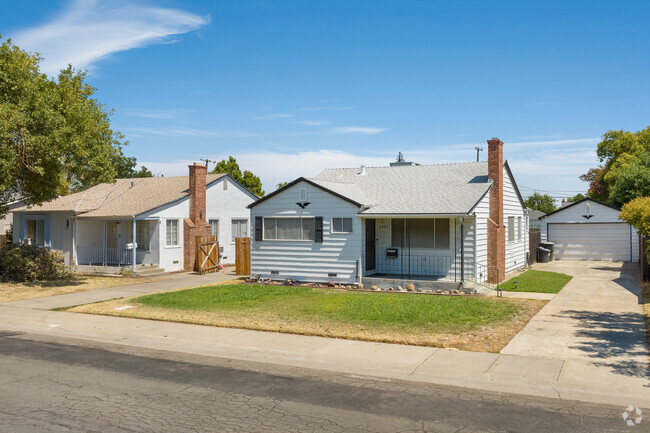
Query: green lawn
[537, 281]
[434, 313]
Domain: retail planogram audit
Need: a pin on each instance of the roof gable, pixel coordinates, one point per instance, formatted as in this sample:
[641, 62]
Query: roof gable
[310, 182]
[562, 209]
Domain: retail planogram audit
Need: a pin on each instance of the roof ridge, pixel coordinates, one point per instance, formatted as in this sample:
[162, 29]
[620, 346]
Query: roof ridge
[407, 166]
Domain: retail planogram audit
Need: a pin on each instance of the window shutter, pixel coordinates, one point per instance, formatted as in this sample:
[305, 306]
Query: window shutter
[258, 228]
[318, 229]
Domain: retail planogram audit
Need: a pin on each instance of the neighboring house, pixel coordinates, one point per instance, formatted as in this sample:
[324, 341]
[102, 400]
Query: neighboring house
[406, 221]
[7, 221]
[534, 216]
[590, 230]
[96, 227]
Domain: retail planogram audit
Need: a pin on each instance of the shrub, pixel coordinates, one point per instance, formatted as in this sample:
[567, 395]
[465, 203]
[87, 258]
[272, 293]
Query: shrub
[23, 263]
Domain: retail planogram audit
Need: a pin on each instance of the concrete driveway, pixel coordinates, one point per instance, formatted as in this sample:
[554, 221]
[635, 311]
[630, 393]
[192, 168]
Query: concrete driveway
[597, 318]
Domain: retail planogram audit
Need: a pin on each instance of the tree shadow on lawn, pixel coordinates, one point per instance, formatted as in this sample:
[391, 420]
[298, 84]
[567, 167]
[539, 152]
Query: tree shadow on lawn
[615, 337]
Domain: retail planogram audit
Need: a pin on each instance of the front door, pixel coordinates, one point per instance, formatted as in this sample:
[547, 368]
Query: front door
[370, 245]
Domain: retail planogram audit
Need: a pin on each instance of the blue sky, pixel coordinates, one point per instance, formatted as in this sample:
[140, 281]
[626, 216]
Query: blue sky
[292, 87]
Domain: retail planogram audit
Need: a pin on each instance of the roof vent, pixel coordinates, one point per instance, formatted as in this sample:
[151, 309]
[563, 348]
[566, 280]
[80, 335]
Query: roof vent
[132, 184]
[362, 172]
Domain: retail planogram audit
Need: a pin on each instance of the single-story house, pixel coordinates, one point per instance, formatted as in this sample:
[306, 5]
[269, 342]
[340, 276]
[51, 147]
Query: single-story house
[406, 221]
[590, 230]
[8, 219]
[97, 227]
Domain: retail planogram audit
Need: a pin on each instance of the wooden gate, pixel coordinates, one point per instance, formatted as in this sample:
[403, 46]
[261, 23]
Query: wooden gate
[534, 239]
[207, 254]
[243, 256]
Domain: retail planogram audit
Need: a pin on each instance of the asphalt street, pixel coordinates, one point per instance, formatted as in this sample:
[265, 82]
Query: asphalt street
[55, 384]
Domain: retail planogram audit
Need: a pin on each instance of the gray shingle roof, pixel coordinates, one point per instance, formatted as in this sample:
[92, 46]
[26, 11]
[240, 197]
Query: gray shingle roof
[421, 189]
[119, 199]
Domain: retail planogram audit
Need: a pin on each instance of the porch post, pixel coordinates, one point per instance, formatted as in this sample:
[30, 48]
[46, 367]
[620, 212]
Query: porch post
[462, 250]
[104, 246]
[133, 244]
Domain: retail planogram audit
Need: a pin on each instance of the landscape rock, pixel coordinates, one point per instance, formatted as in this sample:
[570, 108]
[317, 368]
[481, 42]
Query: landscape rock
[438, 291]
[445, 292]
[374, 288]
[410, 287]
[330, 284]
[360, 286]
[400, 288]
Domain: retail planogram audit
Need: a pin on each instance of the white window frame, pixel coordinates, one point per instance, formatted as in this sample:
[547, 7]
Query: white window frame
[510, 226]
[239, 220]
[519, 228]
[218, 226]
[342, 231]
[285, 218]
[169, 242]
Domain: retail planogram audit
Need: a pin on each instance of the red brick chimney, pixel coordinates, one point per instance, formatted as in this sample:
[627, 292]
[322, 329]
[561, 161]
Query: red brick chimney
[496, 254]
[196, 224]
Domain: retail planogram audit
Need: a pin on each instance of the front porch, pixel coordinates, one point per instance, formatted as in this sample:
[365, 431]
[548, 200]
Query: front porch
[431, 253]
[106, 245]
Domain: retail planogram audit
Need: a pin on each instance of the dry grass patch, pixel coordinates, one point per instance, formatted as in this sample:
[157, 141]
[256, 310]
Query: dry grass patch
[390, 318]
[80, 283]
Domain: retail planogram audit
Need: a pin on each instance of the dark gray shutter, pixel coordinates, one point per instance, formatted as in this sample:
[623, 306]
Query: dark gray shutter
[318, 229]
[258, 228]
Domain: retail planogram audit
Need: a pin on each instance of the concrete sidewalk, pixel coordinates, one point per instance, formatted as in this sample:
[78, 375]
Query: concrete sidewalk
[565, 379]
[177, 281]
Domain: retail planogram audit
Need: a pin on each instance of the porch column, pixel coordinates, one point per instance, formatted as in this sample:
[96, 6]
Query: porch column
[104, 245]
[462, 250]
[133, 244]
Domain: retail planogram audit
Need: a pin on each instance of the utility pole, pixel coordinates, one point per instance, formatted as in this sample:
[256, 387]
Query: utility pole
[478, 149]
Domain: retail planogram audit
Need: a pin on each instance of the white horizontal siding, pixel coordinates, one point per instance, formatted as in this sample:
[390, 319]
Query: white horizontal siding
[307, 260]
[512, 207]
[481, 214]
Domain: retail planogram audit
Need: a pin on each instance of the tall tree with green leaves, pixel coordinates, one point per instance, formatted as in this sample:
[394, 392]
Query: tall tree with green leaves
[125, 167]
[246, 178]
[576, 198]
[617, 151]
[541, 202]
[54, 136]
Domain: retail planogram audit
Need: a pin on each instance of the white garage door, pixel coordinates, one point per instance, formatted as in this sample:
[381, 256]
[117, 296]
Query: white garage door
[591, 241]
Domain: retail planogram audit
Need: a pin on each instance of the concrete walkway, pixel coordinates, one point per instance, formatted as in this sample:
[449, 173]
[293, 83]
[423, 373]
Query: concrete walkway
[522, 374]
[176, 281]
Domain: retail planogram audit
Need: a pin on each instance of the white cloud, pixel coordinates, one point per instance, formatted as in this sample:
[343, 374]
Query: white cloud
[555, 171]
[90, 30]
[313, 122]
[272, 116]
[357, 130]
[182, 132]
[153, 114]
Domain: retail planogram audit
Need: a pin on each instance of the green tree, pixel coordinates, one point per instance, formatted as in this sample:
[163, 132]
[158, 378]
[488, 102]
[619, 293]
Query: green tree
[632, 180]
[125, 168]
[576, 198]
[637, 213]
[246, 178]
[54, 137]
[617, 150]
[541, 202]
[281, 185]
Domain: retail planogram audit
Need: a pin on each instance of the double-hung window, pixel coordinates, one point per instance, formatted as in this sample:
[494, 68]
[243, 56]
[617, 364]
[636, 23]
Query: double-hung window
[341, 225]
[214, 228]
[511, 228]
[239, 228]
[172, 233]
[289, 229]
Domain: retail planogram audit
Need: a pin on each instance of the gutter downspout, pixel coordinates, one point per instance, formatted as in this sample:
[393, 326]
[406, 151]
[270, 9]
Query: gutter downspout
[462, 250]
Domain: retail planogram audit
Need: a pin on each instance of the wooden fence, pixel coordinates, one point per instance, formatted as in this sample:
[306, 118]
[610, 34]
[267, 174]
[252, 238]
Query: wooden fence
[243, 256]
[534, 239]
[207, 254]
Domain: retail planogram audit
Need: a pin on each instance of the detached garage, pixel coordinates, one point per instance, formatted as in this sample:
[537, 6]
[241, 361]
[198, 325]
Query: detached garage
[590, 230]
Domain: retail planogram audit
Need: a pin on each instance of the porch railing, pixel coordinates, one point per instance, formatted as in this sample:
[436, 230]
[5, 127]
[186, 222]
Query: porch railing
[411, 266]
[104, 257]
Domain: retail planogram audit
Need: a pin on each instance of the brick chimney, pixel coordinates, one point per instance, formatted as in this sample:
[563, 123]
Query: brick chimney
[496, 254]
[196, 224]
